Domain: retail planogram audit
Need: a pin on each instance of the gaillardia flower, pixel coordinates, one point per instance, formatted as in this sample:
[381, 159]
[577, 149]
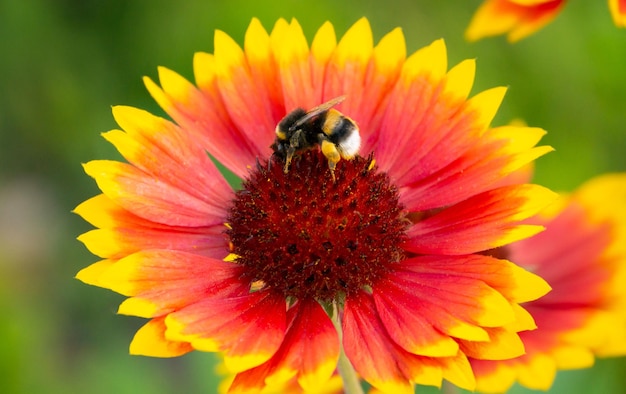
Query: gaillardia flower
[298, 272]
[582, 255]
[521, 18]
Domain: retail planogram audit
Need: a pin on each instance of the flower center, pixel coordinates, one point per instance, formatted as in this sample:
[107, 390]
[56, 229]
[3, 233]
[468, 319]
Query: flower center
[307, 236]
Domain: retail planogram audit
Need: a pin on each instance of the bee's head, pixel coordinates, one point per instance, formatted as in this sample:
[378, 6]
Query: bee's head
[279, 147]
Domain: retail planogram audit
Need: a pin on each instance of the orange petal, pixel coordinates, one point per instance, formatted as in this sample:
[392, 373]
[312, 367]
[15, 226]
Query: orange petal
[263, 65]
[476, 170]
[119, 242]
[163, 150]
[346, 69]
[291, 52]
[309, 353]
[482, 222]
[518, 19]
[312, 346]
[493, 377]
[211, 125]
[438, 126]
[539, 372]
[322, 48]
[486, 104]
[169, 280]
[408, 327]
[514, 283]
[384, 364]
[372, 353]
[502, 345]
[151, 198]
[245, 99]
[121, 233]
[202, 115]
[435, 131]
[383, 71]
[248, 329]
[445, 299]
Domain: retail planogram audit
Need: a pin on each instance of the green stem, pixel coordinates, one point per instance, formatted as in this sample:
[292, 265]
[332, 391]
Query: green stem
[351, 383]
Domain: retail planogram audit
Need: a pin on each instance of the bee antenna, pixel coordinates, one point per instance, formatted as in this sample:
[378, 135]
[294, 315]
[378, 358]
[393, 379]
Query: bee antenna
[269, 161]
[258, 164]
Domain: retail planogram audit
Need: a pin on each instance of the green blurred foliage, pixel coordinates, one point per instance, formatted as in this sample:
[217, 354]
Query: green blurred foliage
[65, 62]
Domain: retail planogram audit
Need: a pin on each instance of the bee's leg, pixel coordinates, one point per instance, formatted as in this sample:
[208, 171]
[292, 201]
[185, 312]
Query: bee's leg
[290, 152]
[294, 144]
[331, 153]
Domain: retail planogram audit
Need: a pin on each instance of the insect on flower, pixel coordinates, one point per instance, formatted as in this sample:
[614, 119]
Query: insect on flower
[336, 134]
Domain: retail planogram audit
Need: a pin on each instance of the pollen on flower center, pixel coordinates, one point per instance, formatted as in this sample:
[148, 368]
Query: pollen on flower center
[304, 235]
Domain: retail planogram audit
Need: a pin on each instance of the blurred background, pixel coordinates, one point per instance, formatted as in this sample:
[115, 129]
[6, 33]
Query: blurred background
[65, 62]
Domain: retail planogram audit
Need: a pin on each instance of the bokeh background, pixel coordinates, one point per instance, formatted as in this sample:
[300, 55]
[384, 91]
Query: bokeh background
[63, 63]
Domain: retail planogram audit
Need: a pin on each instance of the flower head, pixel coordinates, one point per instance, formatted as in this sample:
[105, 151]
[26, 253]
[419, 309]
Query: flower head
[381, 260]
[582, 255]
[521, 18]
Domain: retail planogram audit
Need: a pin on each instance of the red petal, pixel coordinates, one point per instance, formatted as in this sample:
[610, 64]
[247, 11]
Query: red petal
[384, 364]
[170, 280]
[245, 99]
[382, 73]
[263, 65]
[291, 54]
[151, 198]
[119, 242]
[435, 131]
[167, 152]
[408, 327]
[372, 353]
[502, 275]
[309, 352]
[482, 222]
[454, 304]
[121, 233]
[482, 167]
[202, 113]
[248, 329]
[346, 68]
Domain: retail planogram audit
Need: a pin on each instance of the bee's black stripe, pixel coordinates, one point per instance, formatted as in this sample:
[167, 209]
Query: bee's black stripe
[341, 130]
[289, 120]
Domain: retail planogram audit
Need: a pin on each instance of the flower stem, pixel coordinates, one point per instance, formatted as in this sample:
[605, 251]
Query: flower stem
[351, 383]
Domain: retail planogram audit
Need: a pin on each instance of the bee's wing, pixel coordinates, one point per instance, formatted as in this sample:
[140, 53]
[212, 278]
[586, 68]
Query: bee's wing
[316, 111]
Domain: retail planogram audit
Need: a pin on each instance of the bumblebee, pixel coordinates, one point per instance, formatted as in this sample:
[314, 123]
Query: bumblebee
[336, 134]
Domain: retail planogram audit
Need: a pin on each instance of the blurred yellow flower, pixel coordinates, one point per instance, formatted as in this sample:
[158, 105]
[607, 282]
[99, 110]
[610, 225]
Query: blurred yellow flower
[582, 255]
[521, 18]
